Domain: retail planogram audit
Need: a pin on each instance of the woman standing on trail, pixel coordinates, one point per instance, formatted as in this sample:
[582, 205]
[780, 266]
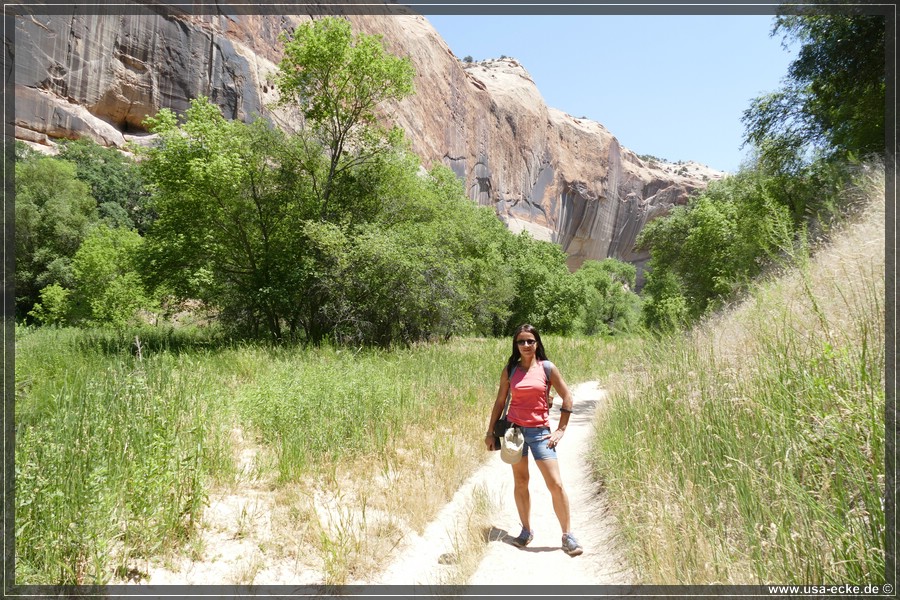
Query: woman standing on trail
[529, 410]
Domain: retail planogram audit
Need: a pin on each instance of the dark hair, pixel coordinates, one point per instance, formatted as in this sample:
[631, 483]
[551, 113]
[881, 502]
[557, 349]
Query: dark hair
[516, 355]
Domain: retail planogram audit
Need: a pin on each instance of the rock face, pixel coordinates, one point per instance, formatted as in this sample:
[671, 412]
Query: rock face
[563, 179]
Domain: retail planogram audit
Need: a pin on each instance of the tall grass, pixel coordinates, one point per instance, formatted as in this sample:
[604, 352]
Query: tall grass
[752, 449]
[110, 457]
[319, 407]
[122, 437]
[336, 403]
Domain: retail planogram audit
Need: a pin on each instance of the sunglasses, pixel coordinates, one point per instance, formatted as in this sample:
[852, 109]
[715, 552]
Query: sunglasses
[526, 342]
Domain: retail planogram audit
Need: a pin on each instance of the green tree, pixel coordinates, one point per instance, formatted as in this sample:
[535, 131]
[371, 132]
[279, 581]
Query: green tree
[472, 239]
[231, 199]
[108, 287]
[703, 253]
[338, 81]
[54, 213]
[696, 245]
[763, 224]
[401, 290]
[833, 100]
[609, 305]
[114, 180]
[665, 307]
[546, 293]
[249, 217]
[429, 269]
[239, 228]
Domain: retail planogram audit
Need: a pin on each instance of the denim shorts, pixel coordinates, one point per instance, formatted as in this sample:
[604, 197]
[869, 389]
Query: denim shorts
[537, 445]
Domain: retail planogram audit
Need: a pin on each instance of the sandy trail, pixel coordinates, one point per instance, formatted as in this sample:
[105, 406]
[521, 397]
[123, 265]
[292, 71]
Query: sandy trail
[427, 559]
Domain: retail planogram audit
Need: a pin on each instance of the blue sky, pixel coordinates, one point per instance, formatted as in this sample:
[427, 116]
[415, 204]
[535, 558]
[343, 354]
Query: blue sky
[672, 86]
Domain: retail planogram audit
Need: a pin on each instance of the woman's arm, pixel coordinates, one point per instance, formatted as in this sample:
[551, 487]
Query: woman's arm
[497, 408]
[562, 390]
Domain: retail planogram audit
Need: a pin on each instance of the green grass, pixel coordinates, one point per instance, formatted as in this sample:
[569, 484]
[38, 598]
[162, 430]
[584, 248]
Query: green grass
[112, 453]
[751, 450]
[118, 449]
[336, 403]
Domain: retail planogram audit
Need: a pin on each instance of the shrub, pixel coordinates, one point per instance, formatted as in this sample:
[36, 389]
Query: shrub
[108, 286]
[53, 308]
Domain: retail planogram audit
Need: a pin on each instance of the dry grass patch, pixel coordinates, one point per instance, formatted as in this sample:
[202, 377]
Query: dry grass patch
[470, 541]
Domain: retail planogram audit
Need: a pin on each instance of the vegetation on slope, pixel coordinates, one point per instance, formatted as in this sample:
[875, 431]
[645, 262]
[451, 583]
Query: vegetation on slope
[752, 448]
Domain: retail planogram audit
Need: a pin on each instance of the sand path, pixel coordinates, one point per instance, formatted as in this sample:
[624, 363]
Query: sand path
[428, 559]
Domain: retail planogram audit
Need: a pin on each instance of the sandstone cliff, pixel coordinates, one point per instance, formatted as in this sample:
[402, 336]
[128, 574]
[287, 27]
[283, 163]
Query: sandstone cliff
[563, 179]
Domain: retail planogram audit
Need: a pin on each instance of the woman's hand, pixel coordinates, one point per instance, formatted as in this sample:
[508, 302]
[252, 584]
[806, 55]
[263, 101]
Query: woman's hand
[554, 438]
[489, 441]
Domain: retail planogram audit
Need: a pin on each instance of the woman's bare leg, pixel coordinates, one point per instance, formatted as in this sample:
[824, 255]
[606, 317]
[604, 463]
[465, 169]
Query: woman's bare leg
[550, 470]
[523, 499]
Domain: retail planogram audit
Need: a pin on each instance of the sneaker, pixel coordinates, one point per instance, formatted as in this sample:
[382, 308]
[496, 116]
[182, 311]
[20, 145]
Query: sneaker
[524, 538]
[570, 545]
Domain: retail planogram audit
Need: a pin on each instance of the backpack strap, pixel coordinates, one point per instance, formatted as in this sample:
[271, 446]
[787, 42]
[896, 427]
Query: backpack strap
[509, 372]
[547, 369]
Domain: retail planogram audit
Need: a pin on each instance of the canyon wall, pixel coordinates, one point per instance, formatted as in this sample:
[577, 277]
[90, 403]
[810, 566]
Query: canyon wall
[563, 179]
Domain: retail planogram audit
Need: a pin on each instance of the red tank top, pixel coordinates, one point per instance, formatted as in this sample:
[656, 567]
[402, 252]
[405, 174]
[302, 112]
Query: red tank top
[528, 406]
